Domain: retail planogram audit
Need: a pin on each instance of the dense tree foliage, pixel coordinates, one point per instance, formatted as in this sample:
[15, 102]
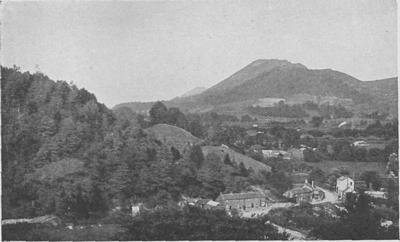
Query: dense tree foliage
[196, 224]
[361, 222]
[66, 154]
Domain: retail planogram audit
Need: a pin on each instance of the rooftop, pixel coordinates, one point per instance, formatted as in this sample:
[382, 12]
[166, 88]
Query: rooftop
[240, 196]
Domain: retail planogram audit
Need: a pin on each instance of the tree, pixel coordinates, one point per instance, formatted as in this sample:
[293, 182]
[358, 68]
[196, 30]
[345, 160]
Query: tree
[360, 154]
[227, 160]
[246, 118]
[316, 121]
[345, 153]
[242, 170]
[310, 156]
[158, 113]
[196, 128]
[193, 223]
[376, 155]
[196, 155]
[360, 223]
[317, 175]
[175, 153]
[371, 178]
[177, 118]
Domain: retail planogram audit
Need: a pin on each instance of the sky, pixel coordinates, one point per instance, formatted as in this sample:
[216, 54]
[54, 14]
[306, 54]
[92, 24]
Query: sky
[125, 51]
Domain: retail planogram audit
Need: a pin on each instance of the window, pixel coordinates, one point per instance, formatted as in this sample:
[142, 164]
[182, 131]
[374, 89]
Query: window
[252, 205]
[230, 207]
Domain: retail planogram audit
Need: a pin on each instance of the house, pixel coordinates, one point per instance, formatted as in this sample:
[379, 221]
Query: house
[297, 154]
[377, 194]
[188, 201]
[208, 204]
[135, 209]
[243, 201]
[344, 185]
[305, 193]
[276, 153]
[360, 143]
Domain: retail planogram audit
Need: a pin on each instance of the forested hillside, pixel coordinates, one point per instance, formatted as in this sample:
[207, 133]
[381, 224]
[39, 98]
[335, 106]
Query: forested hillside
[66, 154]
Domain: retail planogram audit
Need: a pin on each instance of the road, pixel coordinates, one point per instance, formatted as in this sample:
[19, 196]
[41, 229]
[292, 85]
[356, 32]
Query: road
[294, 235]
[330, 196]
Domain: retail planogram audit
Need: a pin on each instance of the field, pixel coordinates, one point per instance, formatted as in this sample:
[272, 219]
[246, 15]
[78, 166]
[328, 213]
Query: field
[353, 167]
[172, 136]
[235, 157]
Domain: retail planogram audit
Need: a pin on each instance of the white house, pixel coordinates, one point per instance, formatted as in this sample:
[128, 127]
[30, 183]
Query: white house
[360, 143]
[377, 194]
[135, 209]
[344, 185]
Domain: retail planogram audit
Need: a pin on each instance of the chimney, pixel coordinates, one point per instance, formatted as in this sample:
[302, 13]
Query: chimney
[306, 181]
[370, 186]
[312, 184]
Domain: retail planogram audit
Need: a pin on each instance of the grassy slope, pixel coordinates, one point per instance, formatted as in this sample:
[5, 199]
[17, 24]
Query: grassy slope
[236, 157]
[172, 136]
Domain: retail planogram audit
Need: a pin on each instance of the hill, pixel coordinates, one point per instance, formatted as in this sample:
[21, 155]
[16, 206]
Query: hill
[281, 79]
[173, 136]
[194, 91]
[236, 157]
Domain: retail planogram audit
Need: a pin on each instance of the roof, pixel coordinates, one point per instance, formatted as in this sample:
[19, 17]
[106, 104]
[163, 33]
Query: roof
[212, 203]
[240, 196]
[342, 178]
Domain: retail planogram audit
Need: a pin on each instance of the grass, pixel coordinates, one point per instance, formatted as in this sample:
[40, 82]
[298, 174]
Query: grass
[235, 157]
[172, 136]
[351, 167]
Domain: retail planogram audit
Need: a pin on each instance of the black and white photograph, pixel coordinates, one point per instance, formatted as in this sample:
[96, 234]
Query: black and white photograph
[199, 120]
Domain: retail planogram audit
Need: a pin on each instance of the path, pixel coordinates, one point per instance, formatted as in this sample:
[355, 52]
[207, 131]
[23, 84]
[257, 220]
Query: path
[330, 196]
[293, 234]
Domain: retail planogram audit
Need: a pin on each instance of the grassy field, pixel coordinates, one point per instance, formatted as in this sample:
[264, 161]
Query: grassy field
[352, 167]
[235, 157]
[172, 136]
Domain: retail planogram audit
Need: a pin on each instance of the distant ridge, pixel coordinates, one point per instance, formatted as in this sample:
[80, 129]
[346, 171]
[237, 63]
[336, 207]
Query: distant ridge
[194, 91]
[273, 78]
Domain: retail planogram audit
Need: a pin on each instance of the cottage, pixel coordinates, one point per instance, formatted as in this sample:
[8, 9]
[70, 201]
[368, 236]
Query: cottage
[243, 201]
[344, 185]
[360, 143]
[276, 153]
[135, 209]
[305, 193]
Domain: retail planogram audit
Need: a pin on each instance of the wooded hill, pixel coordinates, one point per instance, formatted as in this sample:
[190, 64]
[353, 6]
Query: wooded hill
[64, 153]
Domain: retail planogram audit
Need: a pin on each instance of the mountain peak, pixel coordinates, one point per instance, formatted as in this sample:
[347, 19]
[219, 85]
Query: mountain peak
[275, 62]
[253, 70]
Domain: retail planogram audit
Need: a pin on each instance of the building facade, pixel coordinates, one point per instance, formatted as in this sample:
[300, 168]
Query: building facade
[243, 201]
[344, 185]
[305, 193]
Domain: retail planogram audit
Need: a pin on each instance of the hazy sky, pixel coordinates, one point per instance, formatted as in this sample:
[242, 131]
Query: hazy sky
[150, 50]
